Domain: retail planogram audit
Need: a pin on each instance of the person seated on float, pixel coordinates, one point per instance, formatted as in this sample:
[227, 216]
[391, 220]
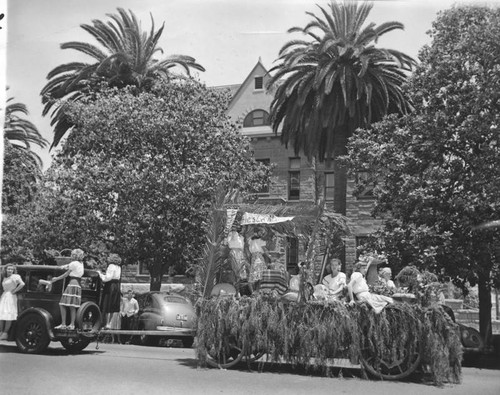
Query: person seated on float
[332, 285]
[358, 288]
[385, 275]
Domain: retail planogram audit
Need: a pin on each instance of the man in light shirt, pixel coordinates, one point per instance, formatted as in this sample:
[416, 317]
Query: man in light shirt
[333, 284]
[129, 310]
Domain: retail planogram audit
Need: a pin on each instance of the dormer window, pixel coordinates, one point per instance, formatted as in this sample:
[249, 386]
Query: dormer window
[259, 83]
[256, 118]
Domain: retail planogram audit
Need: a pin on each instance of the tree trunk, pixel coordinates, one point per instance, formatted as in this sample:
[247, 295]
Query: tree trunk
[156, 275]
[340, 174]
[484, 288]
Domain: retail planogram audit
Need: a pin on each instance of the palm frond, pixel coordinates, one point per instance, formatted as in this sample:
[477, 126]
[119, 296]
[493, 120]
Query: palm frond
[213, 256]
[349, 76]
[123, 56]
[20, 134]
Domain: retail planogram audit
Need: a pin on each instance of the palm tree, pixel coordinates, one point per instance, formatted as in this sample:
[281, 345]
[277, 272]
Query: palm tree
[334, 82]
[22, 167]
[21, 134]
[124, 58]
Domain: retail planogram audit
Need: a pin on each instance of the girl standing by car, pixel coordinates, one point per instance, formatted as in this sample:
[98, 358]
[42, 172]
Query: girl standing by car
[111, 292]
[72, 295]
[11, 283]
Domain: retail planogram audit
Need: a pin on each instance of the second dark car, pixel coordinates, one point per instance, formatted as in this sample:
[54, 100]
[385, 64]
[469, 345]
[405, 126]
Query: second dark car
[166, 315]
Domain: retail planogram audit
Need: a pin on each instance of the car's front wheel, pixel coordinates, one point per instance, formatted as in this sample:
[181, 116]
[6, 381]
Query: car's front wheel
[75, 345]
[31, 334]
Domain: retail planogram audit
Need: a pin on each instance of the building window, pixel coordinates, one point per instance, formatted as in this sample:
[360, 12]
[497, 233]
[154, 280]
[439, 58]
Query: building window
[265, 188]
[259, 83]
[292, 255]
[365, 185]
[143, 269]
[329, 186]
[294, 179]
[256, 118]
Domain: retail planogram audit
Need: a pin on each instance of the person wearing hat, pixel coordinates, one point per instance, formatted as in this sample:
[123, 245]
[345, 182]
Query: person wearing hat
[111, 293]
[385, 274]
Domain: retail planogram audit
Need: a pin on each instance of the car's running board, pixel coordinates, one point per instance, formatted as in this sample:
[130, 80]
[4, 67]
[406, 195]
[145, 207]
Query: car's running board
[166, 332]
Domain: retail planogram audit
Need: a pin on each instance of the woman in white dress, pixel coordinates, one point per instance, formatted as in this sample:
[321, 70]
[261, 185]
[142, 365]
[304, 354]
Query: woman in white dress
[236, 244]
[11, 284]
[258, 251]
[358, 287]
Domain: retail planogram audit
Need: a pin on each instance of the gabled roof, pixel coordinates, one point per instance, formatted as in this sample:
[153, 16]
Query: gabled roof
[258, 70]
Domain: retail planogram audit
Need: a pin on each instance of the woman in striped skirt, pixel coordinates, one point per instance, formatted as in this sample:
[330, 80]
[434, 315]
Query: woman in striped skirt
[72, 295]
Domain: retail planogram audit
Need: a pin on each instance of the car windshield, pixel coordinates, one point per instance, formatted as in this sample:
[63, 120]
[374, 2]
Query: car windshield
[174, 299]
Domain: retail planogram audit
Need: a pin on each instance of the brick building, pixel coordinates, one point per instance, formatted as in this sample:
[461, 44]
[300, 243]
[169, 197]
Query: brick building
[294, 179]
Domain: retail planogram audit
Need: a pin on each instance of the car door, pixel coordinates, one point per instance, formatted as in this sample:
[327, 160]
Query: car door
[41, 294]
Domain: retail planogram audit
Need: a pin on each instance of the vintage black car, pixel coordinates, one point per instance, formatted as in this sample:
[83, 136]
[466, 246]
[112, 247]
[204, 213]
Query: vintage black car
[39, 313]
[167, 315]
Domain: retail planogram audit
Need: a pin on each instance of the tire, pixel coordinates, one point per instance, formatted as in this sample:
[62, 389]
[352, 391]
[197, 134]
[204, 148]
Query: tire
[254, 356]
[188, 342]
[88, 318]
[145, 340]
[470, 337]
[75, 345]
[383, 364]
[389, 369]
[229, 355]
[31, 334]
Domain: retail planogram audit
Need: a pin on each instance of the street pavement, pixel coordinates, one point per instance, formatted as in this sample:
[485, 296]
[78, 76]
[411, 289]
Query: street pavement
[130, 369]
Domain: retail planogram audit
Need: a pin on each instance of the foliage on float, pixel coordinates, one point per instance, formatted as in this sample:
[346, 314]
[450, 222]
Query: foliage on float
[312, 334]
[424, 285]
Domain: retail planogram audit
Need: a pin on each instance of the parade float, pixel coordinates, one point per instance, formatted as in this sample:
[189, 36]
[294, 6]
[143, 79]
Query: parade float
[240, 323]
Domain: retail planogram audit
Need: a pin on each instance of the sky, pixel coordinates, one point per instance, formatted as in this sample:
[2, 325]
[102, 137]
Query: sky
[227, 37]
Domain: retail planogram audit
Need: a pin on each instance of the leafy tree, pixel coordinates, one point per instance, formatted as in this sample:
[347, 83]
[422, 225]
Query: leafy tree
[334, 82]
[138, 174]
[439, 169]
[21, 166]
[125, 57]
